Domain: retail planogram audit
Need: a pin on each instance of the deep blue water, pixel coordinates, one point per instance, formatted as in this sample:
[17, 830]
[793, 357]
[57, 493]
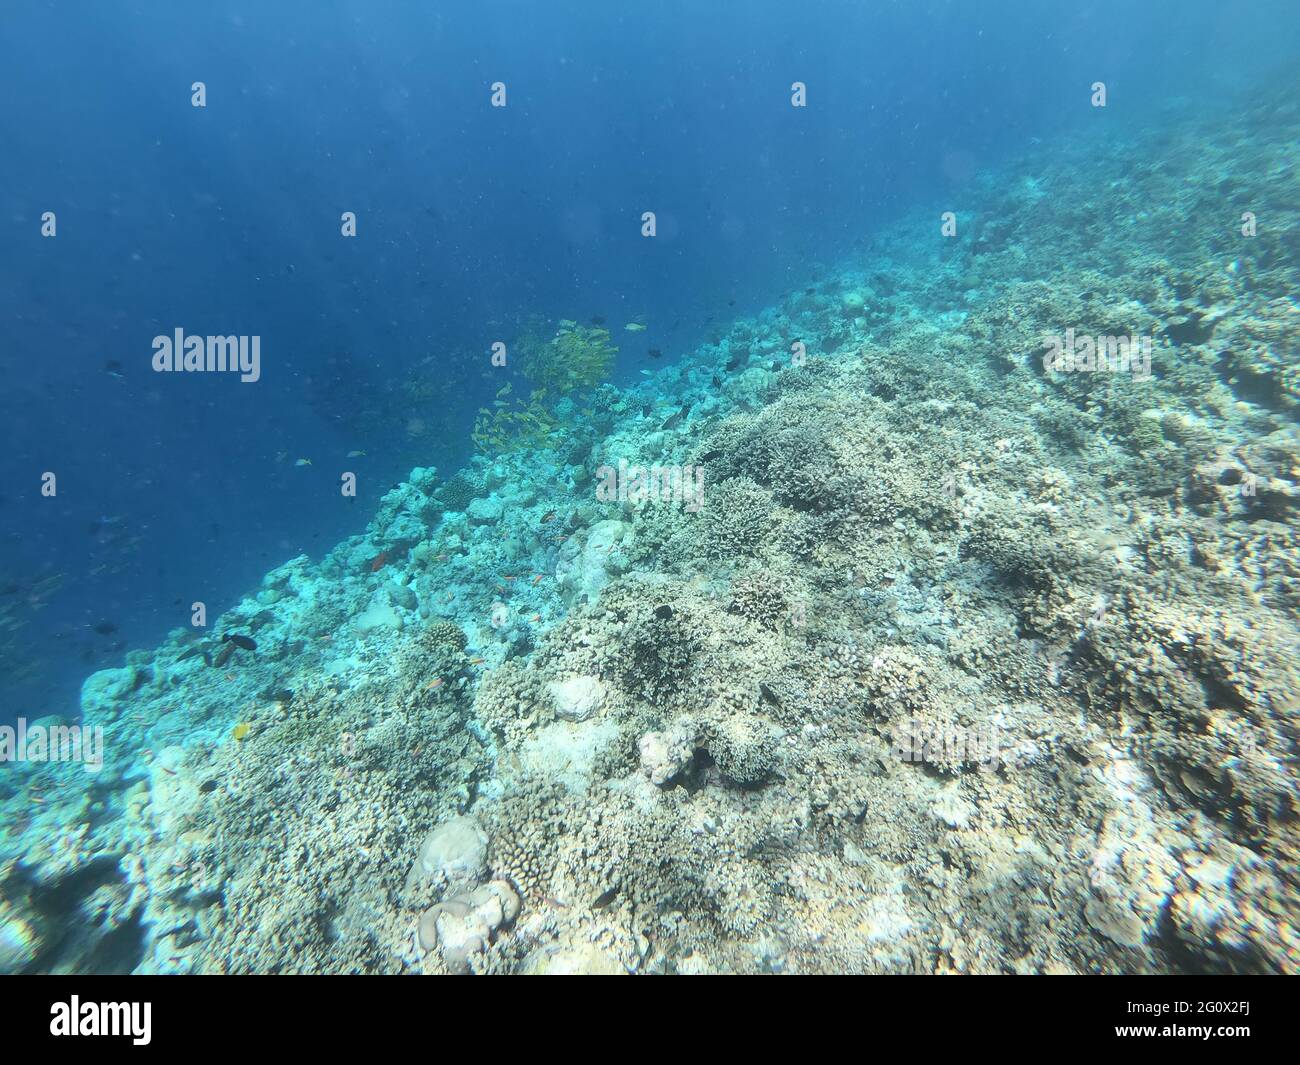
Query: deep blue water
[225, 220]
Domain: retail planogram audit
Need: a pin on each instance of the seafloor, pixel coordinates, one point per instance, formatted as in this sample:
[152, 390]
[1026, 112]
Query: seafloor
[961, 667]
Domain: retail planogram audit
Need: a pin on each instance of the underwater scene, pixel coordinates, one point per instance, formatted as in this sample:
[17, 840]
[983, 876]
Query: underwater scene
[675, 488]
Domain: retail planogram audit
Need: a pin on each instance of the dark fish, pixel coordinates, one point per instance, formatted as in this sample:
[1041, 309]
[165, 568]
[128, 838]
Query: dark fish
[222, 656]
[113, 368]
[735, 360]
[731, 303]
[106, 628]
[810, 292]
[11, 589]
[716, 381]
[769, 696]
[663, 613]
[709, 456]
[239, 641]
[675, 419]
[655, 353]
[191, 652]
[597, 319]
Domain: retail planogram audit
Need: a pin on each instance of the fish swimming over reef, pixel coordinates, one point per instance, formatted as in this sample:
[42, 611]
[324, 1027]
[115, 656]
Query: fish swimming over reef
[675, 419]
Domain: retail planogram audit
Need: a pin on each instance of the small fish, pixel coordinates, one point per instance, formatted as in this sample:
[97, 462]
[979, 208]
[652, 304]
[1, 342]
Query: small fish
[303, 462]
[709, 456]
[538, 579]
[477, 660]
[735, 360]
[114, 369]
[504, 578]
[597, 319]
[634, 327]
[536, 617]
[768, 694]
[655, 353]
[106, 628]
[548, 516]
[244, 642]
[356, 454]
[437, 682]
[379, 562]
[663, 613]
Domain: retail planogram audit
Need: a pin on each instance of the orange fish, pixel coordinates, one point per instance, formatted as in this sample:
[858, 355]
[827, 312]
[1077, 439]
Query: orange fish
[477, 660]
[379, 562]
[435, 683]
[536, 617]
[507, 578]
[538, 579]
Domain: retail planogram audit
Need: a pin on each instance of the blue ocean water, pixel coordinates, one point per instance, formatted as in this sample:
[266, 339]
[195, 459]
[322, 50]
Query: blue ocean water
[128, 213]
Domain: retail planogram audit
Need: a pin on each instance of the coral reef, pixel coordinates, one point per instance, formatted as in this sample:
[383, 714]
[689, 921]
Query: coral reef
[962, 666]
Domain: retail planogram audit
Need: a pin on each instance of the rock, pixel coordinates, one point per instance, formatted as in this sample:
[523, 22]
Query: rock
[485, 510]
[578, 959]
[577, 698]
[463, 925]
[20, 942]
[378, 616]
[665, 754]
[1114, 921]
[950, 808]
[581, 573]
[455, 852]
